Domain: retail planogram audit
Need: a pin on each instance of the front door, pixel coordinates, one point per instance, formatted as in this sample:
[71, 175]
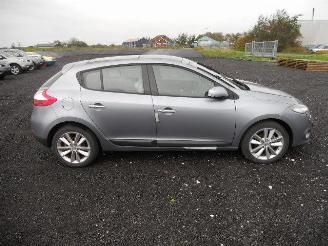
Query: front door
[185, 115]
[116, 100]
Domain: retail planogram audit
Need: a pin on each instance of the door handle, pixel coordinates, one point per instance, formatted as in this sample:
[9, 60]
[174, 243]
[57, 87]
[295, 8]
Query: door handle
[166, 111]
[96, 105]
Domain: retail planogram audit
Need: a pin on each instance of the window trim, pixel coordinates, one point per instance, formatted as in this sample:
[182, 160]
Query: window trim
[153, 83]
[144, 74]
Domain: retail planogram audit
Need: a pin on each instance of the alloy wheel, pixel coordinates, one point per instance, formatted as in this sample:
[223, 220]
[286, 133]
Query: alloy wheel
[14, 69]
[267, 143]
[73, 147]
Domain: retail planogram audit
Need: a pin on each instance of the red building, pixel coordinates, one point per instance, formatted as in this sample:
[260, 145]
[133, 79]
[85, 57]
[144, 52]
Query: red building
[161, 41]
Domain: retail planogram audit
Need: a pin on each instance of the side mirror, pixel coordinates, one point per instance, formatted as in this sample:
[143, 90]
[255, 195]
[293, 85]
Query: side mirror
[218, 92]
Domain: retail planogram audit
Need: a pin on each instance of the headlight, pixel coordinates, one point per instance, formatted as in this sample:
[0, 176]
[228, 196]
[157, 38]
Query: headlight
[300, 108]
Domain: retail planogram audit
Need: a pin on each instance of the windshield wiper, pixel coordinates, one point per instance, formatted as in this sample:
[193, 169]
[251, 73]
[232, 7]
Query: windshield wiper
[240, 84]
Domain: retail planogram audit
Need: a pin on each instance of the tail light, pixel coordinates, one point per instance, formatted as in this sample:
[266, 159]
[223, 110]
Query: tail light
[41, 98]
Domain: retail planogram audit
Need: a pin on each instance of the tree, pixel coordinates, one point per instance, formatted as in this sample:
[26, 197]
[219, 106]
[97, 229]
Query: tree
[58, 43]
[191, 39]
[279, 26]
[232, 37]
[242, 40]
[182, 39]
[74, 42]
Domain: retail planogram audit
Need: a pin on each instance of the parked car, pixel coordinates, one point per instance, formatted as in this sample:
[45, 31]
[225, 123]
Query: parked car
[320, 48]
[17, 64]
[137, 103]
[4, 68]
[49, 60]
[36, 58]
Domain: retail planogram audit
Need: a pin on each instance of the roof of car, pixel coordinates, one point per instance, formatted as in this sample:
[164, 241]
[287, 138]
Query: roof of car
[116, 60]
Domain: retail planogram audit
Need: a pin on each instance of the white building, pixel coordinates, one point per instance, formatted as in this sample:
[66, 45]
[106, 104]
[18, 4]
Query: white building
[314, 32]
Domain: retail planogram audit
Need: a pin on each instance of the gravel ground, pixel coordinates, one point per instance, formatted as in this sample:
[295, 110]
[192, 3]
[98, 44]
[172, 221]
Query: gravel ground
[170, 198]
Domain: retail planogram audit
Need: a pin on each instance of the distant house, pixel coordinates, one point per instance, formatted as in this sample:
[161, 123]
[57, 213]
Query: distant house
[136, 43]
[46, 46]
[210, 42]
[161, 41]
[207, 42]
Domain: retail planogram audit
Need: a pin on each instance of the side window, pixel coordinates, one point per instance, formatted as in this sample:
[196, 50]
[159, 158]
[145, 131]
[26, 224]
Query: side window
[91, 79]
[125, 79]
[174, 81]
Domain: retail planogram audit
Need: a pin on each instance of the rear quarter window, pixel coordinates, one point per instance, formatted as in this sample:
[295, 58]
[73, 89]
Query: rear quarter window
[92, 80]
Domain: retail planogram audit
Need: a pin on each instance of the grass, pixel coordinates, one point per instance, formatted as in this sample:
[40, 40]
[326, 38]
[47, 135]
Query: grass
[236, 54]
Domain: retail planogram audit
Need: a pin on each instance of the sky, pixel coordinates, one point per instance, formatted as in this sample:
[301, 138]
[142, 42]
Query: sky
[30, 22]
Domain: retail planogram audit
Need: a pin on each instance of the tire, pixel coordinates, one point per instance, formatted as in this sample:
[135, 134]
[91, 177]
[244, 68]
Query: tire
[74, 158]
[15, 69]
[33, 67]
[260, 149]
[2, 76]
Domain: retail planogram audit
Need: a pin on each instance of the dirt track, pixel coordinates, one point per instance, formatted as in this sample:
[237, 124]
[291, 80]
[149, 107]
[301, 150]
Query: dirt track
[197, 198]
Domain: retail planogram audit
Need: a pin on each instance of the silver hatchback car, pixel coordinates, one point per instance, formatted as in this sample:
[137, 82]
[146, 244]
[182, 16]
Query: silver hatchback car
[136, 103]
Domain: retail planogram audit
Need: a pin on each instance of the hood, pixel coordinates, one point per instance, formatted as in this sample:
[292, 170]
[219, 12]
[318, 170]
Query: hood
[263, 89]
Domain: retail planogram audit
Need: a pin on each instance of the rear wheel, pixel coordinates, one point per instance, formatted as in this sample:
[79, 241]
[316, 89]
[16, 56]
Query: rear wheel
[265, 142]
[15, 69]
[32, 67]
[75, 146]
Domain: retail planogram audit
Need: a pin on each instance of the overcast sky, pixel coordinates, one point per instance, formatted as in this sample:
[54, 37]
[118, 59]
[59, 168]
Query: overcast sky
[102, 21]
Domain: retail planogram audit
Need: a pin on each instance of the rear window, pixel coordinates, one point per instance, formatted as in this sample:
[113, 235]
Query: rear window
[122, 79]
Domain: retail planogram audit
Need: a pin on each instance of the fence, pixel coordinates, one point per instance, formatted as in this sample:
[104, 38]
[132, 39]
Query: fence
[262, 49]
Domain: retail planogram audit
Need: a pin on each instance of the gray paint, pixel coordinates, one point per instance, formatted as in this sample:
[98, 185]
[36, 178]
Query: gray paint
[133, 121]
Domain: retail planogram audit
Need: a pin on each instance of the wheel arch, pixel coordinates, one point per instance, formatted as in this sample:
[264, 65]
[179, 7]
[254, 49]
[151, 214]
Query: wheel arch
[59, 125]
[280, 121]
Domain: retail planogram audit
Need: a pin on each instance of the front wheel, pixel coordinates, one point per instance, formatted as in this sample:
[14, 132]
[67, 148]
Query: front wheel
[75, 146]
[265, 142]
[15, 69]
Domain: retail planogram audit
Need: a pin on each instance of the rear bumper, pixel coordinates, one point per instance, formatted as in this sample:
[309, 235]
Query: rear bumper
[4, 70]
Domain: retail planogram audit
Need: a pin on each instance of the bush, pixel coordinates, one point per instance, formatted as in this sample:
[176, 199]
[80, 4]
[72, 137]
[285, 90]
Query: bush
[299, 50]
[241, 41]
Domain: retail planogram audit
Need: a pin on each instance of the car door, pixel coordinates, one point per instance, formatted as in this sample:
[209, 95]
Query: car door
[185, 116]
[117, 100]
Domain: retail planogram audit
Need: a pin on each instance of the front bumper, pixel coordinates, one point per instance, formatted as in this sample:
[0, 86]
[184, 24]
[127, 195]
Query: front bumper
[301, 127]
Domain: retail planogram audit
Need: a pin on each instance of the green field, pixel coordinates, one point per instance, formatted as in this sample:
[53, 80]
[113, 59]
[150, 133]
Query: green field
[236, 54]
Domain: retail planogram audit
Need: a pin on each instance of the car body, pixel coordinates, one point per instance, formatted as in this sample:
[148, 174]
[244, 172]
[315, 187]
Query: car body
[4, 68]
[321, 47]
[49, 60]
[17, 63]
[147, 102]
[34, 57]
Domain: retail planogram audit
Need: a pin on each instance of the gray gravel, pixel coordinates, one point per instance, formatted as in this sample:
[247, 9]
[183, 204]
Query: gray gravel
[170, 198]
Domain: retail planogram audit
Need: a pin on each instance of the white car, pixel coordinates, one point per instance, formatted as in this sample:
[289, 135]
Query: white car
[17, 64]
[36, 58]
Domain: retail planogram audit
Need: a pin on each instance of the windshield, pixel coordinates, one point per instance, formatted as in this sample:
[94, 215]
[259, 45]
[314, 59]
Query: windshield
[232, 82]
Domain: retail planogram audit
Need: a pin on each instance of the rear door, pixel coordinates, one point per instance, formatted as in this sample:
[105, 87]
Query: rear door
[185, 115]
[117, 100]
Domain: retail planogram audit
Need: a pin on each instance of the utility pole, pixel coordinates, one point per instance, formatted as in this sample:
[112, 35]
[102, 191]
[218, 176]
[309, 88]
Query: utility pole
[312, 14]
